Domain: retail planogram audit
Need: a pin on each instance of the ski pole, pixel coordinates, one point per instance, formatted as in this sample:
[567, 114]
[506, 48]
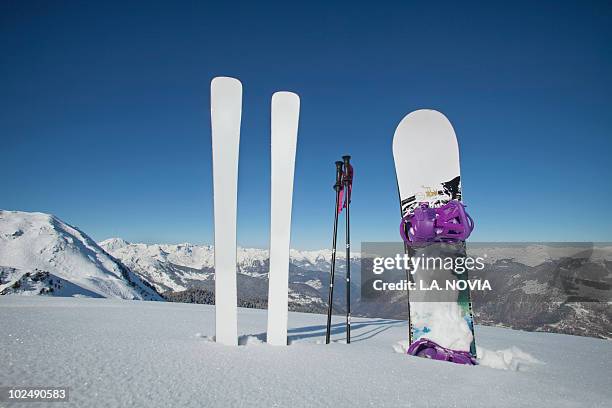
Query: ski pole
[338, 189]
[348, 185]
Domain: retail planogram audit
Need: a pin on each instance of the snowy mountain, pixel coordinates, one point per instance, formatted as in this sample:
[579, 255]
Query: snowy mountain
[133, 353]
[534, 254]
[564, 288]
[556, 287]
[147, 259]
[568, 292]
[534, 285]
[185, 272]
[40, 254]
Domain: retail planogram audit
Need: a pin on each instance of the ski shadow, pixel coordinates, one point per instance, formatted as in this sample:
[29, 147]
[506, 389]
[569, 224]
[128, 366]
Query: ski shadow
[375, 327]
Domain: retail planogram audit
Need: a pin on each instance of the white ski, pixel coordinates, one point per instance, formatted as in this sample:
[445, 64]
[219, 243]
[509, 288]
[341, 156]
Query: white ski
[285, 116]
[225, 114]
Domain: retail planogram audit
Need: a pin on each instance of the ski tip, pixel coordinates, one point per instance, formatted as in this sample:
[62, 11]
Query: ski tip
[225, 82]
[286, 97]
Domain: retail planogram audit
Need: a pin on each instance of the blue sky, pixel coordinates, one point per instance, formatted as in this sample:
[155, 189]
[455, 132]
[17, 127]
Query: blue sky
[104, 112]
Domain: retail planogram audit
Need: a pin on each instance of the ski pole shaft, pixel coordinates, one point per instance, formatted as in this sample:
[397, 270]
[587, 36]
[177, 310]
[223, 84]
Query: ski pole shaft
[347, 190]
[338, 189]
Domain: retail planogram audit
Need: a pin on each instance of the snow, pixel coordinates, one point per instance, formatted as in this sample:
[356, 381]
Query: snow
[42, 242]
[512, 358]
[533, 287]
[202, 256]
[158, 262]
[444, 323]
[128, 353]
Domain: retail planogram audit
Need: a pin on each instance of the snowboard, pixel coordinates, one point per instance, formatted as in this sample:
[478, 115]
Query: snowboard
[284, 128]
[426, 155]
[225, 113]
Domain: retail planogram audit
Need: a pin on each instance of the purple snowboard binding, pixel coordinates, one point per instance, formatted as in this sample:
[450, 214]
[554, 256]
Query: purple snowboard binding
[429, 349]
[448, 223]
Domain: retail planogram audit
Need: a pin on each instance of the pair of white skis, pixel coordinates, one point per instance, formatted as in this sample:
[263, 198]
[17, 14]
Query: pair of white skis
[226, 111]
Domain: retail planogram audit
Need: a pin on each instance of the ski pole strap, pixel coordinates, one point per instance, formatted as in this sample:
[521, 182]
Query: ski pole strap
[429, 349]
[338, 186]
[344, 184]
[448, 223]
[347, 178]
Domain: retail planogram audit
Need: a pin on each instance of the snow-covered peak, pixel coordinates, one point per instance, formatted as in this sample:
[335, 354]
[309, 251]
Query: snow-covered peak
[202, 256]
[179, 266]
[114, 244]
[43, 242]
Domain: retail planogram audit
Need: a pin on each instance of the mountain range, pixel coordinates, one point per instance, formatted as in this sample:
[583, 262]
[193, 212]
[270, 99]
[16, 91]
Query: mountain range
[561, 288]
[185, 272]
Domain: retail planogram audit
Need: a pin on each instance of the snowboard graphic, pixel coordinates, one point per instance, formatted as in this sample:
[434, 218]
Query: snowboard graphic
[426, 156]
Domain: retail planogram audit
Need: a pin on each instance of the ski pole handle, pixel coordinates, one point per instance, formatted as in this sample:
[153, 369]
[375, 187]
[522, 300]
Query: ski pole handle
[348, 170]
[339, 173]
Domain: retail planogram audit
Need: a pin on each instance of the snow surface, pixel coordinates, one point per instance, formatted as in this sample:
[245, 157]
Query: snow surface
[124, 353]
